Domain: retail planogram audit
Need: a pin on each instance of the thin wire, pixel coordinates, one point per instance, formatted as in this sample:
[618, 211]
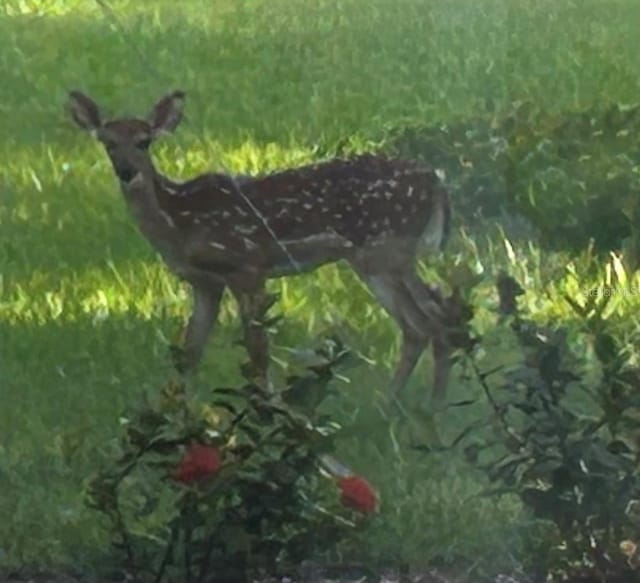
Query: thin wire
[117, 24]
[115, 21]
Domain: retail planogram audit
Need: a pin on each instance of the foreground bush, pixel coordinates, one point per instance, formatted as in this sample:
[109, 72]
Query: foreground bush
[218, 489]
[564, 439]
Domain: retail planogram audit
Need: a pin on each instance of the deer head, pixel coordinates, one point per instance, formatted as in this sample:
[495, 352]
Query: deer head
[127, 140]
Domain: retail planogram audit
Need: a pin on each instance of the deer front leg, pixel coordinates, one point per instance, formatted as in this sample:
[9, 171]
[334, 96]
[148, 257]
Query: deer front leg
[252, 305]
[206, 305]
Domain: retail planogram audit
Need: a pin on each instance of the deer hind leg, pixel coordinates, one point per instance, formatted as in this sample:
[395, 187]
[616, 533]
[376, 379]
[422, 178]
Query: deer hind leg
[430, 301]
[251, 304]
[391, 294]
[206, 305]
[417, 309]
[442, 352]
[410, 352]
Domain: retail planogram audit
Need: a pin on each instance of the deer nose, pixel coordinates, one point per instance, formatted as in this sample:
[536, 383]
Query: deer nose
[124, 169]
[126, 174]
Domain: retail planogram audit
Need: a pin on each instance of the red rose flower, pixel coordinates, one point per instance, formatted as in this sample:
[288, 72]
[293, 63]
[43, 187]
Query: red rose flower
[199, 462]
[357, 493]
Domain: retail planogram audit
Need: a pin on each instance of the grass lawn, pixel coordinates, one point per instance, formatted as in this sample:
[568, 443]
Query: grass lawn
[87, 309]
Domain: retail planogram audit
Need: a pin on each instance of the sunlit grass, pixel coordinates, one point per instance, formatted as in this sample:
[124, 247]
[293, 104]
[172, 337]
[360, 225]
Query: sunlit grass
[87, 309]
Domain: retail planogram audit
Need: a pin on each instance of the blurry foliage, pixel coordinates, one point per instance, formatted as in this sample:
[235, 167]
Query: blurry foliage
[566, 444]
[573, 176]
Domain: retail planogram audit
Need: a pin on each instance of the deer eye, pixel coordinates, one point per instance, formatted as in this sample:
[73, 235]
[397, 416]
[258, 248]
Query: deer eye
[144, 144]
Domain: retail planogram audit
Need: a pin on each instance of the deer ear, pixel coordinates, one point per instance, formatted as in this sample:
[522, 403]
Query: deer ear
[84, 111]
[167, 113]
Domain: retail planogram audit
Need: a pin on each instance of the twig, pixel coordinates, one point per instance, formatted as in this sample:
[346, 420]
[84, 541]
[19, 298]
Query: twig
[167, 554]
[500, 411]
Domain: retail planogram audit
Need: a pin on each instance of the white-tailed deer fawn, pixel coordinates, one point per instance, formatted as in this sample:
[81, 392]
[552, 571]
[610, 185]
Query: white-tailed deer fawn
[215, 231]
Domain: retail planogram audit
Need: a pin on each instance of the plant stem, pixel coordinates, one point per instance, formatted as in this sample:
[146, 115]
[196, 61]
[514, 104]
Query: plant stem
[167, 554]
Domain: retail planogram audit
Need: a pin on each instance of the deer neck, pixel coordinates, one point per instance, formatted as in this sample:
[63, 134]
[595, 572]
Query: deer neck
[141, 184]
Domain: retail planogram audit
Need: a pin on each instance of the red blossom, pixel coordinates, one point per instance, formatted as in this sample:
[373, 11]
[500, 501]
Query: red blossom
[199, 462]
[357, 493]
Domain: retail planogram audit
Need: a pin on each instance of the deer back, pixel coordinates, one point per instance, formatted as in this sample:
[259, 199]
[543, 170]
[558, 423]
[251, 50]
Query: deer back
[314, 214]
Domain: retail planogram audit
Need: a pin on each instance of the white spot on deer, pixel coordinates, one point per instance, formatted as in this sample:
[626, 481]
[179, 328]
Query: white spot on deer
[330, 237]
[397, 207]
[282, 212]
[388, 195]
[241, 211]
[216, 245]
[410, 192]
[226, 214]
[168, 218]
[196, 221]
[249, 244]
[246, 230]
[307, 206]
[185, 213]
[225, 190]
[338, 216]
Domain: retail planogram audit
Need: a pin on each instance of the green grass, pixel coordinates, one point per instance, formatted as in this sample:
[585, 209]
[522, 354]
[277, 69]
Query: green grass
[87, 309]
